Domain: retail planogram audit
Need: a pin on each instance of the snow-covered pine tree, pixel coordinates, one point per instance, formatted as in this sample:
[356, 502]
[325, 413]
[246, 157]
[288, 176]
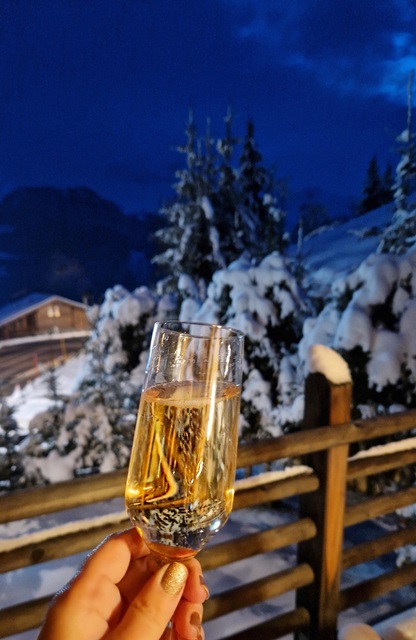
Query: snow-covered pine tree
[262, 300]
[107, 398]
[229, 227]
[400, 236]
[114, 345]
[191, 240]
[219, 212]
[11, 468]
[260, 218]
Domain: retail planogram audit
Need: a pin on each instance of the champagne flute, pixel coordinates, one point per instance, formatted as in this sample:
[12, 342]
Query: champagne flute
[180, 483]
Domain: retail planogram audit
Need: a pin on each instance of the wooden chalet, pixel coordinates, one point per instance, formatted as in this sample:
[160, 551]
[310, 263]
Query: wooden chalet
[39, 314]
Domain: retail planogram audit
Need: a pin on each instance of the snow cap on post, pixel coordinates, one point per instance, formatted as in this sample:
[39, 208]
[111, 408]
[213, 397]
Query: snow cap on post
[325, 360]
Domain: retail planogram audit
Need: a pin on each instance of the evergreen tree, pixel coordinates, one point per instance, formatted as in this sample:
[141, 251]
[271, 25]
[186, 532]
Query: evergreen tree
[406, 169]
[260, 219]
[231, 233]
[262, 299]
[401, 234]
[373, 189]
[387, 185]
[11, 468]
[191, 237]
[219, 211]
[378, 189]
[107, 379]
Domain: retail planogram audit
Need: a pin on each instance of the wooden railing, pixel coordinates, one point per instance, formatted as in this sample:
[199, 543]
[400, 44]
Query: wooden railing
[323, 515]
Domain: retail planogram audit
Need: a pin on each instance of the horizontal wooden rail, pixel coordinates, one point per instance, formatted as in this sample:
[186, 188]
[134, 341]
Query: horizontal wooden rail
[279, 490]
[377, 587]
[22, 617]
[302, 443]
[276, 627]
[379, 506]
[61, 496]
[372, 549]
[371, 465]
[252, 544]
[258, 591]
[61, 546]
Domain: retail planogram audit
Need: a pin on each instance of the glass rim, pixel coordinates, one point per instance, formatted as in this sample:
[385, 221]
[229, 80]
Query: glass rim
[232, 332]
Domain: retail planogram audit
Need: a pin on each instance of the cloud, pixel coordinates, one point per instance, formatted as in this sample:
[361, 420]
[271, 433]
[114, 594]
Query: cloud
[400, 66]
[353, 47]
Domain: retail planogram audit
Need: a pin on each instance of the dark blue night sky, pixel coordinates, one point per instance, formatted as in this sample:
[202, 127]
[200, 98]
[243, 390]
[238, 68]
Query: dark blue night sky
[97, 92]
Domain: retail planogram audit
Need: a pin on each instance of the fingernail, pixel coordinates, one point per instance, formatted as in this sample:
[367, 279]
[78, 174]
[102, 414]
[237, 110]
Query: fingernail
[204, 586]
[196, 622]
[195, 619]
[174, 578]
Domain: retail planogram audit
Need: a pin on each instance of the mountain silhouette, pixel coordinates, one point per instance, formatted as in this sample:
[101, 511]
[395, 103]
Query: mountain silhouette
[70, 242]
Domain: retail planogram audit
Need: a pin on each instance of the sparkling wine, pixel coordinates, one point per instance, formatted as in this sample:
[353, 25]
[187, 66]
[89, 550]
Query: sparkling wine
[179, 488]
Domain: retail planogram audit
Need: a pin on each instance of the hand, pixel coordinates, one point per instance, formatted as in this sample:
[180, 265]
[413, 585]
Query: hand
[121, 594]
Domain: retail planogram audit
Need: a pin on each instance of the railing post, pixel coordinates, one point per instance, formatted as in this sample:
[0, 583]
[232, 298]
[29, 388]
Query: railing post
[326, 403]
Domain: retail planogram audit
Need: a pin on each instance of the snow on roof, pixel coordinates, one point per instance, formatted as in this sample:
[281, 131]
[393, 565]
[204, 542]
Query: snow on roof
[29, 303]
[325, 360]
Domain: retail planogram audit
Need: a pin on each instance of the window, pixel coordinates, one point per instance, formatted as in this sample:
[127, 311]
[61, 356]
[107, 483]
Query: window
[53, 311]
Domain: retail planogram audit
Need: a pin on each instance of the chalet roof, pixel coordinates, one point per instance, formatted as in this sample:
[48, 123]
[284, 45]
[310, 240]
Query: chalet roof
[30, 303]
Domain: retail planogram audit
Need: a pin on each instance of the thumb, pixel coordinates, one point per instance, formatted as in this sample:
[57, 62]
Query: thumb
[151, 610]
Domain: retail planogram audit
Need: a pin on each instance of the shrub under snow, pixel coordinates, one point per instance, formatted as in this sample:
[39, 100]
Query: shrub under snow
[370, 320]
[262, 300]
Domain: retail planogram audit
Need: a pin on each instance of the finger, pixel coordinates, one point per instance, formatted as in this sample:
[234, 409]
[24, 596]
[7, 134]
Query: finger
[93, 594]
[85, 612]
[153, 608]
[112, 557]
[187, 621]
[119, 547]
[135, 577]
[195, 589]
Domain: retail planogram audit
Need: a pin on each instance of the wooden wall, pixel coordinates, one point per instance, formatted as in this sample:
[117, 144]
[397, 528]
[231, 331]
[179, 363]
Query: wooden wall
[54, 315]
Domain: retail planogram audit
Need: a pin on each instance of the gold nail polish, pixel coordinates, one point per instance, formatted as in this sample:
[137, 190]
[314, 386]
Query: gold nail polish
[195, 619]
[174, 578]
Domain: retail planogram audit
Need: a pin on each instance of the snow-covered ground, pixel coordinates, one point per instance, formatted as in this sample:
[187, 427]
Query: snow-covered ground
[34, 396]
[336, 250]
